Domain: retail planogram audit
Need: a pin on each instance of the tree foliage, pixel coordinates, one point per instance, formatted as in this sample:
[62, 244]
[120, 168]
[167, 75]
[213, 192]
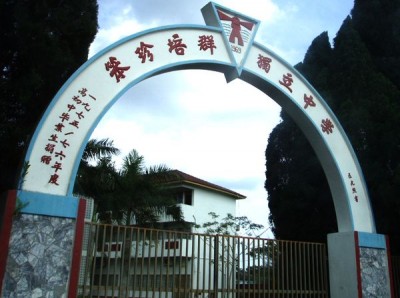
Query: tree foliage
[131, 193]
[42, 44]
[230, 225]
[359, 79]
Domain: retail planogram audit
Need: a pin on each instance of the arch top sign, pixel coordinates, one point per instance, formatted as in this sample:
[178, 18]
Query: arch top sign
[226, 45]
[238, 33]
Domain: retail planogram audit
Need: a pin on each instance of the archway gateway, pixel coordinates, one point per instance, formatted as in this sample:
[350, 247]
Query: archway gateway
[225, 45]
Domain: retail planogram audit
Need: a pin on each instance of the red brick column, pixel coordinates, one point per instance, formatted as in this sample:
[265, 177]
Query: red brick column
[8, 208]
[77, 251]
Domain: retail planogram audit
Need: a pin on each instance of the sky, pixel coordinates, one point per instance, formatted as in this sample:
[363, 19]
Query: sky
[193, 120]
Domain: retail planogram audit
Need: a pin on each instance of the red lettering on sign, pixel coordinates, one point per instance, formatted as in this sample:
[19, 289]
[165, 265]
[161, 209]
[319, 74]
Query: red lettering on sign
[46, 159]
[57, 166]
[143, 52]
[86, 106]
[71, 107]
[309, 101]
[206, 42]
[75, 123]
[77, 99]
[115, 70]
[80, 115]
[287, 81]
[53, 138]
[176, 45]
[54, 179]
[59, 127]
[83, 92]
[264, 63]
[60, 155]
[65, 143]
[327, 126]
[50, 148]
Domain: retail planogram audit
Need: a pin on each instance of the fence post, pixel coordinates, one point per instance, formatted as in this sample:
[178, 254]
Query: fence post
[216, 265]
[7, 211]
[77, 250]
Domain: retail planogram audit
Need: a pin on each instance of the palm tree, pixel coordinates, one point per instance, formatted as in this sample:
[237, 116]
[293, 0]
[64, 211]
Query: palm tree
[128, 195]
[96, 170]
[97, 149]
[145, 199]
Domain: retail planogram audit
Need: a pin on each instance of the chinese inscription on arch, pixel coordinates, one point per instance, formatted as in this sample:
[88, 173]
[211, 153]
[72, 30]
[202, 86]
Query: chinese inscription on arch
[55, 152]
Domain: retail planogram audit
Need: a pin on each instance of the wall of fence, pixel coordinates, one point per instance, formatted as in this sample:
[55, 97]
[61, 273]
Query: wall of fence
[120, 261]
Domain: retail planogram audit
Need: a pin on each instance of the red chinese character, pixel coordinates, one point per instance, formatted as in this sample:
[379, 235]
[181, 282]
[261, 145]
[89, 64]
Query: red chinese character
[354, 190]
[87, 106]
[309, 101]
[49, 148]
[59, 127]
[356, 199]
[65, 143]
[349, 176]
[77, 99]
[115, 70]
[264, 63]
[207, 42]
[54, 179]
[287, 81]
[64, 116]
[57, 166]
[177, 45]
[352, 183]
[144, 52]
[83, 92]
[60, 155]
[71, 107]
[45, 159]
[327, 126]
[80, 115]
[75, 123]
[53, 138]
[68, 133]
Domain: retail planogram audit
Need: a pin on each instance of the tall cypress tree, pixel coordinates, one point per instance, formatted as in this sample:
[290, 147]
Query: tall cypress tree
[301, 207]
[361, 92]
[42, 43]
[378, 23]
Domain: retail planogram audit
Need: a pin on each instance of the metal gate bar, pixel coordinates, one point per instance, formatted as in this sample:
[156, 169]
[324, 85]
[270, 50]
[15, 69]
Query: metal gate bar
[122, 261]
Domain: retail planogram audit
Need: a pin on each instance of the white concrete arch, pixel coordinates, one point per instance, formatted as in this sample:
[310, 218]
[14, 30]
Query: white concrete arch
[59, 140]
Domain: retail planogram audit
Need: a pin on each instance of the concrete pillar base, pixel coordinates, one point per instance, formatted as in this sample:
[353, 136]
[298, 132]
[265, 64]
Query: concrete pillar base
[359, 265]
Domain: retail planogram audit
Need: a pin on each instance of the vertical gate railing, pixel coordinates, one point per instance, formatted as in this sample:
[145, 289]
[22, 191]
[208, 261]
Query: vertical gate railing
[120, 261]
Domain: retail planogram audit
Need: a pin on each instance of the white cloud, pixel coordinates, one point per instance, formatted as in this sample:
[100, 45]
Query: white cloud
[265, 11]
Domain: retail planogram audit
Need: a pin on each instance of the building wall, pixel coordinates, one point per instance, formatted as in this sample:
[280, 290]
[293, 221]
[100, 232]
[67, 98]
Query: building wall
[206, 201]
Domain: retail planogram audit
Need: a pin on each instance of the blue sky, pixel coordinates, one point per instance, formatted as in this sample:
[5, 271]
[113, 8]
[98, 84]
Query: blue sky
[193, 120]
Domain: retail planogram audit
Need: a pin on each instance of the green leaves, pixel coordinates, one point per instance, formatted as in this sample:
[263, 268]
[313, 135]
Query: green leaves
[230, 225]
[129, 195]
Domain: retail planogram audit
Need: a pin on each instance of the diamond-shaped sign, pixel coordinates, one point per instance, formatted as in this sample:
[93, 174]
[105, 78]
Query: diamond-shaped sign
[239, 32]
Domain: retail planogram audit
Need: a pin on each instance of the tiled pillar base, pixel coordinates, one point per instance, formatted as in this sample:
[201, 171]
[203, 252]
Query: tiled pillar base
[39, 256]
[43, 246]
